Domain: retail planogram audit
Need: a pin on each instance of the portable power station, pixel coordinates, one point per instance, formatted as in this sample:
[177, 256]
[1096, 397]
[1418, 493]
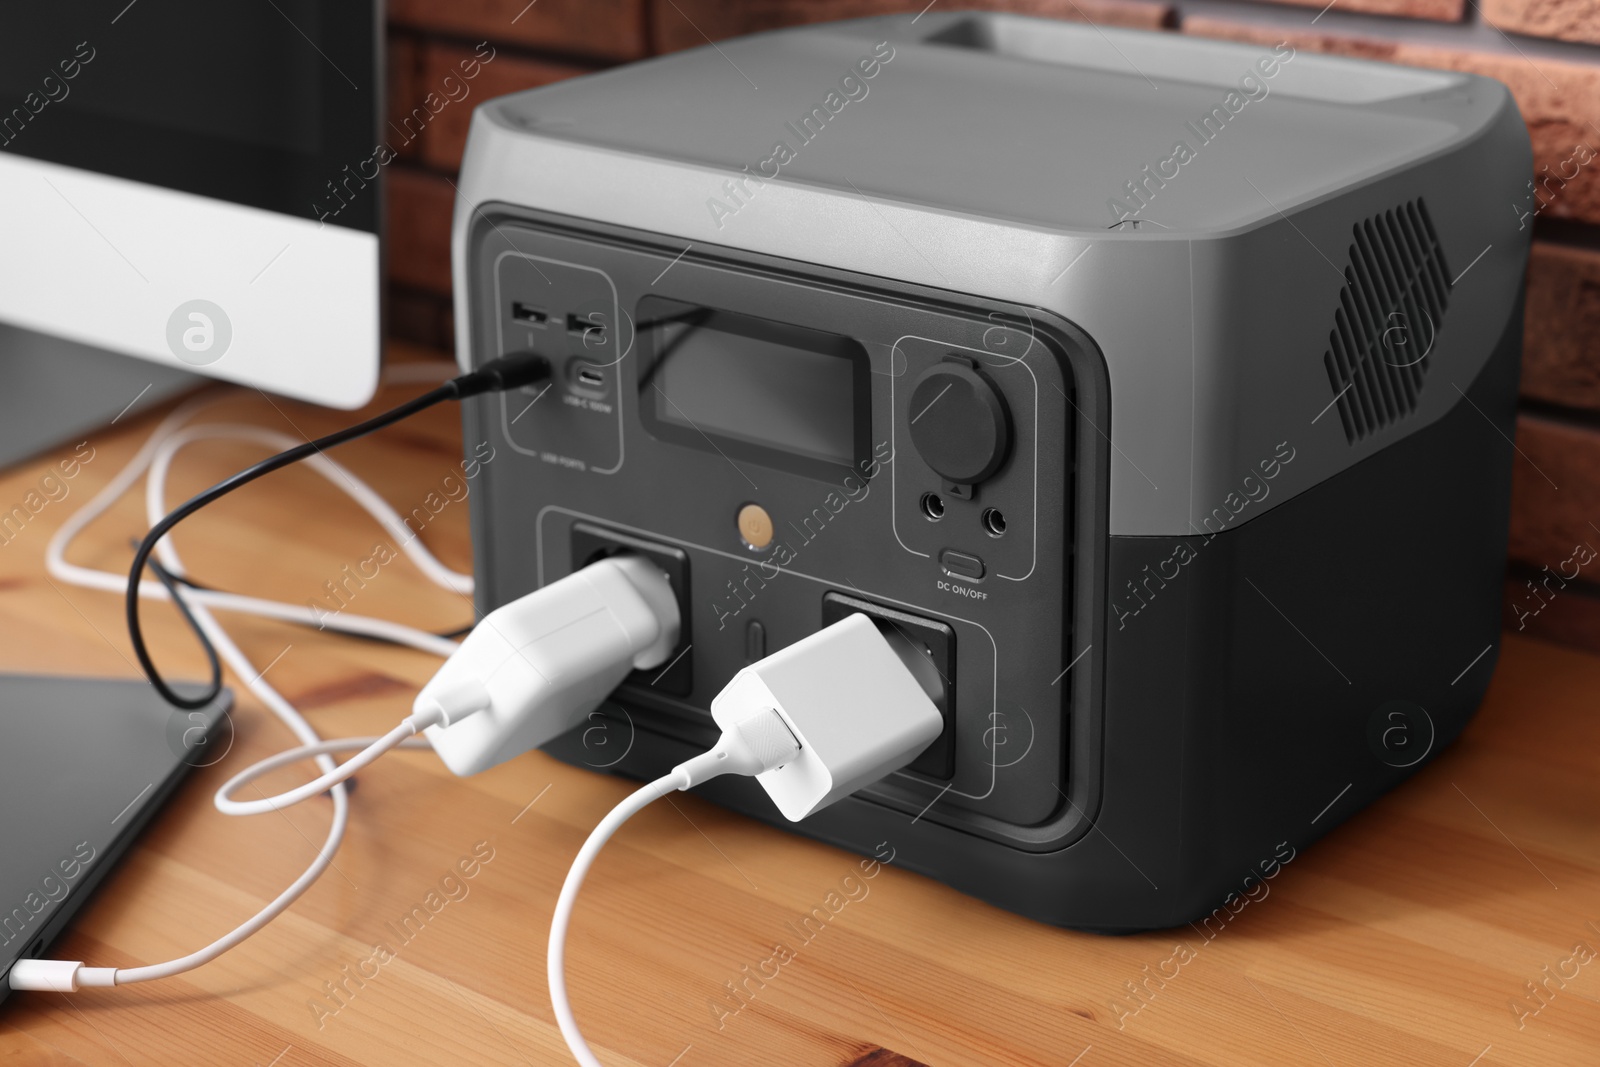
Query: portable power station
[1154, 395]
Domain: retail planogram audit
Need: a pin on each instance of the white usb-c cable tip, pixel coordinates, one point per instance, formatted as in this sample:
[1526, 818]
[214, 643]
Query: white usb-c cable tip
[767, 738]
[55, 976]
[755, 744]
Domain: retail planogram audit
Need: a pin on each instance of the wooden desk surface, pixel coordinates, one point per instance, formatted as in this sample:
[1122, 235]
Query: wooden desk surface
[1408, 936]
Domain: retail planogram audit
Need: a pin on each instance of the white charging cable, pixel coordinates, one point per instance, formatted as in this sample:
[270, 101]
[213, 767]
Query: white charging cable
[367, 749]
[157, 453]
[70, 975]
[812, 723]
[58, 566]
[754, 745]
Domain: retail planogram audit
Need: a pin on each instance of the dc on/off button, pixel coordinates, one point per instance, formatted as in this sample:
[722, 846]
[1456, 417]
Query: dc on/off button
[961, 565]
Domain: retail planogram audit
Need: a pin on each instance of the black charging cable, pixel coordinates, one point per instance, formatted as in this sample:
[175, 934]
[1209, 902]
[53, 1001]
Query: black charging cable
[171, 582]
[497, 375]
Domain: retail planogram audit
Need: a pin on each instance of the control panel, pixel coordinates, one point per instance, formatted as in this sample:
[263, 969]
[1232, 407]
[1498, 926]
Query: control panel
[794, 445]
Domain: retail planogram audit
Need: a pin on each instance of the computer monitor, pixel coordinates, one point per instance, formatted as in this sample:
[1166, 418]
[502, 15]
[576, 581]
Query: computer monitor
[191, 184]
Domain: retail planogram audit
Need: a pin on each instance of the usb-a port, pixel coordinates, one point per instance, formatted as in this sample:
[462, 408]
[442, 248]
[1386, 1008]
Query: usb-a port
[593, 333]
[529, 315]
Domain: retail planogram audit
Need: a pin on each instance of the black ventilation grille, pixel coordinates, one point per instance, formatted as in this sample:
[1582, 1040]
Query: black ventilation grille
[1390, 310]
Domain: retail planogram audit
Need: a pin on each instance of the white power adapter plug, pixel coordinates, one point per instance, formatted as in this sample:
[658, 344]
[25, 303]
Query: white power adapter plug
[856, 711]
[533, 669]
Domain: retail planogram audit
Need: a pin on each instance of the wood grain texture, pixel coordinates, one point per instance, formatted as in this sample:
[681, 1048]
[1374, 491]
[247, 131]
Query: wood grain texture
[1407, 936]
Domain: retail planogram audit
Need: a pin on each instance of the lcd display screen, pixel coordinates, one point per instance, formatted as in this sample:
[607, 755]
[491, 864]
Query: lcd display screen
[753, 387]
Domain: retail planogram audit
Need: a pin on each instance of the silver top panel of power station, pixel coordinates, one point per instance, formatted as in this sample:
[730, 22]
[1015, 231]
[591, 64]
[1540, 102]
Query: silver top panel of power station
[1011, 118]
[1188, 203]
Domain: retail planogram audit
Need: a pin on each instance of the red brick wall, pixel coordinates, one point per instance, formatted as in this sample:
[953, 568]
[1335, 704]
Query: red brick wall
[1547, 51]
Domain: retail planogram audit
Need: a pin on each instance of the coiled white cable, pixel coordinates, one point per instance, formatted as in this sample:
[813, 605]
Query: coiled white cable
[370, 748]
[156, 455]
[58, 566]
[66, 976]
[334, 472]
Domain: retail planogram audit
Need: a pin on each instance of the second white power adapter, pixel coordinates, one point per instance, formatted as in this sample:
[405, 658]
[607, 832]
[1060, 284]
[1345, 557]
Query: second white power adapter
[850, 702]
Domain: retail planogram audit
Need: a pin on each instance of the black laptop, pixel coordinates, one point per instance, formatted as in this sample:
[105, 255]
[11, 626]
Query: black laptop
[84, 765]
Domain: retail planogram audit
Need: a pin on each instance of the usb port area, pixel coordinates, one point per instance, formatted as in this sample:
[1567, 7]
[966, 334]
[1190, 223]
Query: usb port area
[528, 315]
[593, 333]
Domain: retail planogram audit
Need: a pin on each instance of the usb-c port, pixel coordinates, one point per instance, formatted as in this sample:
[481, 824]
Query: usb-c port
[586, 379]
[528, 315]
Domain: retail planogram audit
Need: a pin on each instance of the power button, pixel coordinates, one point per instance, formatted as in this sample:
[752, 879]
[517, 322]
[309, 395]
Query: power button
[960, 565]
